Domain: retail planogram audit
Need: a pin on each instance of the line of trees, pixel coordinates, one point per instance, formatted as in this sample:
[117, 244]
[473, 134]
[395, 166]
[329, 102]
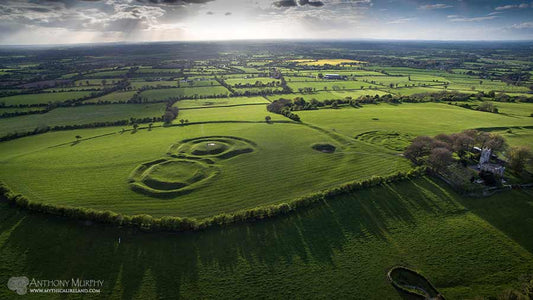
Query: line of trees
[171, 113]
[149, 223]
[285, 106]
[121, 85]
[23, 113]
[44, 129]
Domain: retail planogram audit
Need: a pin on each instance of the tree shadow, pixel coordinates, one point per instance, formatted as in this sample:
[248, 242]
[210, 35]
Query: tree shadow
[511, 212]
[57, 248]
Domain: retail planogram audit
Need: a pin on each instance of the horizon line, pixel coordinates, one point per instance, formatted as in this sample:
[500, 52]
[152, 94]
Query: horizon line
[125, 42]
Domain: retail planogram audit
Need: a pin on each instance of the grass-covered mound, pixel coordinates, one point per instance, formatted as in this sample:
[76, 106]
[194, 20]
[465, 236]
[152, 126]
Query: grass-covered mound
[94, 172]
[212, 147]
[209, 148]
[324, 147]
[164, 177]
[413, 283]
[392, 140]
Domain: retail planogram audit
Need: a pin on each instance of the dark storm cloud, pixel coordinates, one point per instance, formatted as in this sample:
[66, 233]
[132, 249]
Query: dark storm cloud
[285, 3]
[311, 3]
[293, 3]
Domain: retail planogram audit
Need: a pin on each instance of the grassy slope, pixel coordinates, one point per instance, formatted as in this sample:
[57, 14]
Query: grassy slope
[93, 173]
[329, 95]
[210, 102]
[466, 247]
[113, 97]
[237, 113]
[162, 94]
[417, 119]
[80, 115]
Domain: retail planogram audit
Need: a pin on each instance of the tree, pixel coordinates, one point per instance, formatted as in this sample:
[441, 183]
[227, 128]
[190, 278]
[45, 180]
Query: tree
[268, 119]
[150, 126]
[488, 107]
[496, 142]
[104, 82]
[519, 157]
[419, 147]
[78, 137]
[462, 142]
[440, 158]
[168, 117]
[182, 121]
[135, 126]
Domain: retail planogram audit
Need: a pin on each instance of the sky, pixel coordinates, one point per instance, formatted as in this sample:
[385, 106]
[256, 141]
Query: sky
[26, 22]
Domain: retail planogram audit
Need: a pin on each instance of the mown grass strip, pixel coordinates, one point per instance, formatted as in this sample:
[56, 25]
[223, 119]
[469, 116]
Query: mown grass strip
[168, 223]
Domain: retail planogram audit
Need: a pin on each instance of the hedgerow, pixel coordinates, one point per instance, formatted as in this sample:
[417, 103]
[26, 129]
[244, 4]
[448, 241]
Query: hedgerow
[169, 223]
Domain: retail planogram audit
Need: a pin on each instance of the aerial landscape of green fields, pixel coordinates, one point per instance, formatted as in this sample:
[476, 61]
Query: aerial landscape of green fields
[242, 168]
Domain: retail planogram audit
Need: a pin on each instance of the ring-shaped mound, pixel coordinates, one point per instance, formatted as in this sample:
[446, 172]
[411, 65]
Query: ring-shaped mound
[170, 177]
[392, 140]
[211, 147]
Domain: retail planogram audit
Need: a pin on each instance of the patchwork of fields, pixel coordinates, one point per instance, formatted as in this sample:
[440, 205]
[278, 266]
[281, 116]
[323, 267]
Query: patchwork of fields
[208, 134]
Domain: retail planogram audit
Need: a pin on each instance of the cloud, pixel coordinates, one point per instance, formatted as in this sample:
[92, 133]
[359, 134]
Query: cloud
[228, 14]
[434, 6]
[293, 3]
[210, 13]
[311, 3]
[400, 21]
[474, 19]
[285, 3]
[525, 25]
[513, 6]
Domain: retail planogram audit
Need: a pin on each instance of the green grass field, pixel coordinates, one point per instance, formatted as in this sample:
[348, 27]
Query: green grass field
[43, 98]
[220, 156]
[93, 173]
[416, 119]
[328, 84]
[136, 84]
[329, 95]
[255, 113]
[80, 115]
[253, 80]
[162, 94]
[466, 247]
[113, 97]
[212, 102]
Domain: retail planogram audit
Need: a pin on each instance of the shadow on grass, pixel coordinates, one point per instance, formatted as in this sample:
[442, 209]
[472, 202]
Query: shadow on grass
[55, 248]
[510, 212]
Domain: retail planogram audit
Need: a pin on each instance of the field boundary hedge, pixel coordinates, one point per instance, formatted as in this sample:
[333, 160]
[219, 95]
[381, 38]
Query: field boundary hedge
[169, 223]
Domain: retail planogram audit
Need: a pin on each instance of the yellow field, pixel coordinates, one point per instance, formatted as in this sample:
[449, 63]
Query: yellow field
[321, 62]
